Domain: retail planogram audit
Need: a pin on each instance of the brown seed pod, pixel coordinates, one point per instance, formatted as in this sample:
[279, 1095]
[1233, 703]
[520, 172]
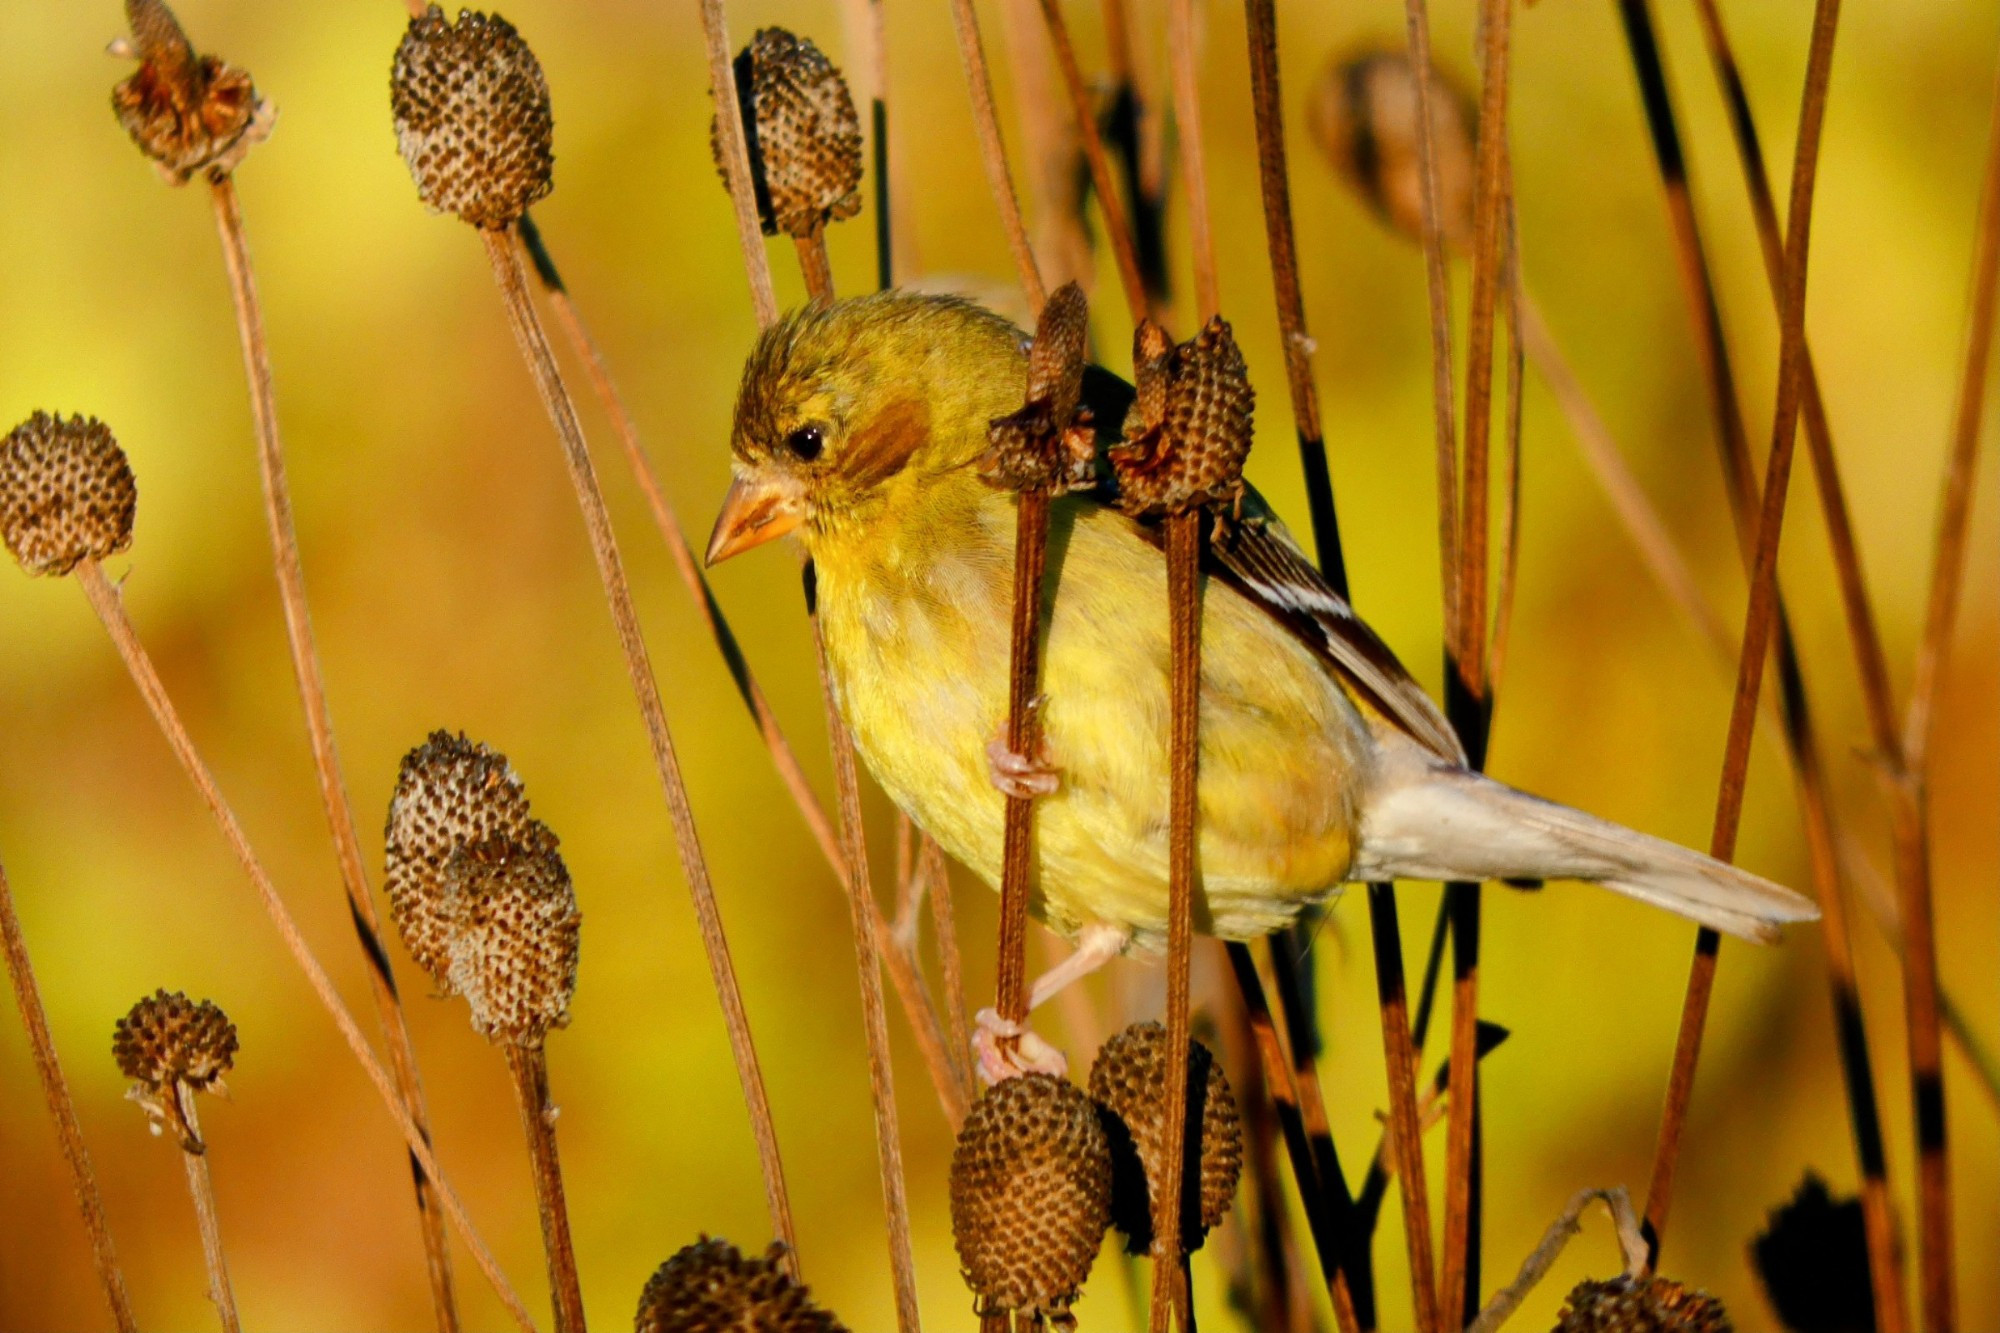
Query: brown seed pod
[1641, 1305]
[1812, 1258]
[66, 493]
[472, 117]
[511, 928]
[712, 1287]
[1128, 1083]
[1049, 444]
[1190, 426]
[804, 135]
[187, 113]
[1362, 112]
[168, 1038]
[1030, 1195]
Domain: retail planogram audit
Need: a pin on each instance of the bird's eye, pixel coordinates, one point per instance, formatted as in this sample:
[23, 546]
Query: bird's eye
[805, 443]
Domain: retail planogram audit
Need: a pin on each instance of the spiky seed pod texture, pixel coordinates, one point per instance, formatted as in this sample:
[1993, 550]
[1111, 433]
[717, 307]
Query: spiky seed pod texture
[1049, 444]
[450, 793]
[804, 135]
[1189, 429]
[1128, 1082]
[167, 1038]
[473, 117]
[1030, 1194]
[1362, 112]
[511, 931]
[1641, 1305]
[713, 1287]
[66, 493]
[187, 113]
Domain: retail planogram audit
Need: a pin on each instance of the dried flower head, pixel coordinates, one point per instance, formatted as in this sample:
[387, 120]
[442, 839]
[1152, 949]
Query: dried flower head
[472, 117]
[1128, 1082]
[510, 927]
[1189, 428]
[1641, 1305]
[187, 113]
[1812, 1258]
[171, 1047]
[451, 793]
[66, 493]
[1049, 443]
[712, 1287]
[1362, 112]
[804, 135]
[1030, 1195]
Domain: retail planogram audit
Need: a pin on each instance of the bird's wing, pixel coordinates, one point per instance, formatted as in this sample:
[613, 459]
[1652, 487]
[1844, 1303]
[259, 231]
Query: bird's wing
[1260, 561]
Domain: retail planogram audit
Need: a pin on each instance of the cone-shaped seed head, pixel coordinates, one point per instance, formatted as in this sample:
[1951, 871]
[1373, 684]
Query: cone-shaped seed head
[1049, 444]
[712, 1287]
[511, 932]
[1812, 1258]
[805, 138]
[1362, 112]
[472, 117]
[187, 113]
[1641, 1305]
[1189, 429]
[66, 493]
[1128, 1082]
[1030, 1194]
[168, 1038]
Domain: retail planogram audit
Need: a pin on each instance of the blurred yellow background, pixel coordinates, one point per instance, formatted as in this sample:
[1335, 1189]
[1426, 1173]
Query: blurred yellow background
[451, 587]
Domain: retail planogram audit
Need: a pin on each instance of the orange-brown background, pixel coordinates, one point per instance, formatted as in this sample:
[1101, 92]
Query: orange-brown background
[451, 587]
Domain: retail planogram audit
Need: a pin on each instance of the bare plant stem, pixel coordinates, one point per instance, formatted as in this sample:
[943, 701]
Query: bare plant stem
[736, 162]
[1506, 1301]
[993, 150]
[529, 1067]
[951, 966]
[201, 1189]
[535, 350]
[1031, 531]
[1762, 613]
[62, 1110]
[319, 726]
[110, 608]
[1405, 1128]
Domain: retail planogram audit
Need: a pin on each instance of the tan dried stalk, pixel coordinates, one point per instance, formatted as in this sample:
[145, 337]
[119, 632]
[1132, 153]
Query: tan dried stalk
[529, 1068]
[993, 151]
[110, 608]
[540, 359]
[201, 1189]
[62, 1110]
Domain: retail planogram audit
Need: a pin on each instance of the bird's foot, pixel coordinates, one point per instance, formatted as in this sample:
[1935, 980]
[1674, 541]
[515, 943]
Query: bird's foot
[1006, 1049]
[1023, 776]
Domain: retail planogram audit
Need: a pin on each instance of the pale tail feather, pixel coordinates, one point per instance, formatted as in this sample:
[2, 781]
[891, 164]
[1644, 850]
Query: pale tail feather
[1427, 821]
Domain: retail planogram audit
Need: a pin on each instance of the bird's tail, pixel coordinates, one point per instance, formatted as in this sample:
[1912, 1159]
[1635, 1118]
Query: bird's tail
[1428, 821]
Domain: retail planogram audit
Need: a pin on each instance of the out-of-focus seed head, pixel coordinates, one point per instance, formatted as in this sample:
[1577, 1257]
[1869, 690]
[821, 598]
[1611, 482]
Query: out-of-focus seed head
[1190, 426]
[1049, 443]
[713, 1287]
[511, 931]
[451, 793]
[804, 135]
[1812, 1258]
[187, 113]
[66, 493]
[1128, 1083]
[1641, 1305]
[473, 117]
[1362, 112]
[1030, 1195]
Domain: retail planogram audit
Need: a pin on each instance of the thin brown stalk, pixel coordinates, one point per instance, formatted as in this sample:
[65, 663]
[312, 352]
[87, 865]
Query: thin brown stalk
[1405, 1128]
[319, 725]
[62, 1110]
[1194, 161]
[110, 608]
[993, 150]
[1510, 466]
[201, 1190]
[529, 1067]
[1762, 615]
[951, 966]
[1031, 530]
[535, 350]
[736, 162]
[1630, 1242]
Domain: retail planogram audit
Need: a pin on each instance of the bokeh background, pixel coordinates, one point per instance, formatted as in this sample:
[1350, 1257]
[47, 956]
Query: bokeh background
[451, 587]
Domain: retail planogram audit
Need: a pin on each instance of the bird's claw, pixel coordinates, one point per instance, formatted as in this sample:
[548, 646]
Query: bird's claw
[1006, 1049]
[1023, 776]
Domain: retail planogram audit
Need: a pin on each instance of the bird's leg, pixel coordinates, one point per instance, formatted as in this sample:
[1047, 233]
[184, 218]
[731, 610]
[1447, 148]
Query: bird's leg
[1005, 1048]
[1022, 775]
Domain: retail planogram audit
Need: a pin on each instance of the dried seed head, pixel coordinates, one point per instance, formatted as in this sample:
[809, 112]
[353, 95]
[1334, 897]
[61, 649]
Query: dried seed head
[1812, 1258]
[1049, 444]
[168, 1038]
[472, 117]
[510, 929]
[1189, 428]
[187, 113]
[1641, 1305]
[1030, 1194]
[712, 1287]
[805, 138]
[451, 793]
[1128, 1082]
[66, 493]
[1362, 112]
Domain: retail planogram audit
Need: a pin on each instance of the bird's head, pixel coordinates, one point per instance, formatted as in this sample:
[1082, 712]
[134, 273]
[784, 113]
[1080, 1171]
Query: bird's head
[850, 408]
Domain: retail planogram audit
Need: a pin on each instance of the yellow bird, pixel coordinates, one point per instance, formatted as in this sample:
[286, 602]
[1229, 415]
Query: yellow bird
[859, 426]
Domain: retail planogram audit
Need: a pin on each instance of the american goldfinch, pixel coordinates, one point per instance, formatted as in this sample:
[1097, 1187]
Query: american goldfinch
[859, 426]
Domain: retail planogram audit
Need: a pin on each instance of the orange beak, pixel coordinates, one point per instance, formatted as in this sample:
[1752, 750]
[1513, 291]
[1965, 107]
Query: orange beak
[756, 510]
